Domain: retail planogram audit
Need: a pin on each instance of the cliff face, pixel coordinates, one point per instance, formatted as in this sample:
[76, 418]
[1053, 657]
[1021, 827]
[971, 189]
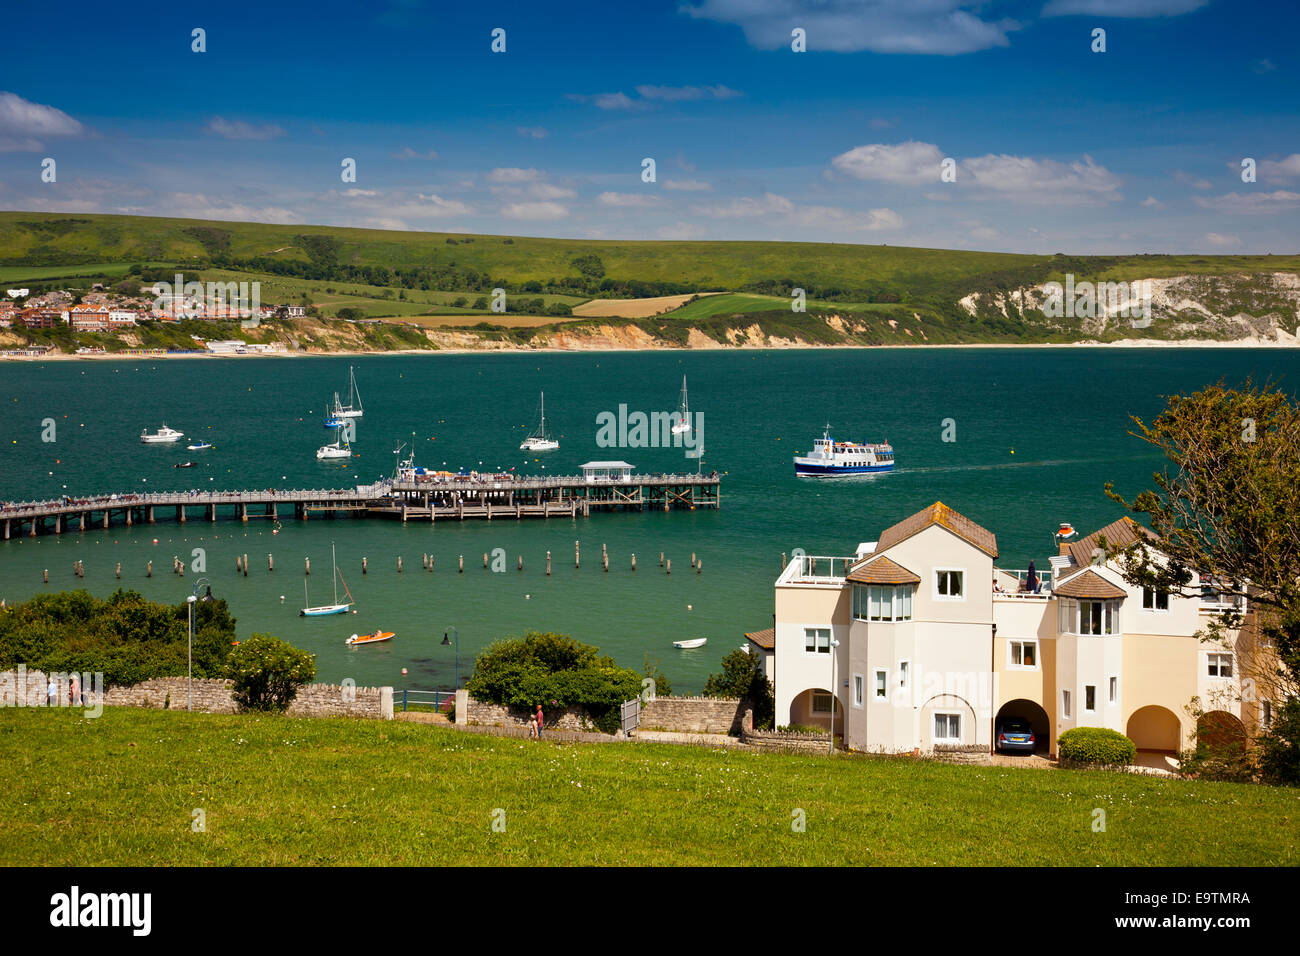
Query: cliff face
[1263, 307]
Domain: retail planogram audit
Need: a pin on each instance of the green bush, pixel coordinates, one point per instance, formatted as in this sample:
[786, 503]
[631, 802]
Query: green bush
[741, 678]
[1099, 746]
[553, 670]
[268, 672]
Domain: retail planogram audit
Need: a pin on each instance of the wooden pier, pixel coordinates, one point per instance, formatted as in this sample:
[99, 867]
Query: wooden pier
[441, 499]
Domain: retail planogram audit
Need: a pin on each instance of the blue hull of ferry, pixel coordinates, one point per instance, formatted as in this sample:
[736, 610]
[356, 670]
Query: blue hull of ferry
[835, 471]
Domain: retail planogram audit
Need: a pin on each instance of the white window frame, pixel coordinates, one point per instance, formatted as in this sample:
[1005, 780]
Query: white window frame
[817, 634]
[859, 690]
[898, 595]
[879, 686]
[1112, 689]
[1086, 708]
[949, 597]
[1065, 705]
[1217, 660]
[1011, 657]
[945, 740]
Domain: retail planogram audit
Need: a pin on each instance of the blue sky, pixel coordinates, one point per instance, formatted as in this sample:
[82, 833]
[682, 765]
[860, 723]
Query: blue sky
[1055, 147]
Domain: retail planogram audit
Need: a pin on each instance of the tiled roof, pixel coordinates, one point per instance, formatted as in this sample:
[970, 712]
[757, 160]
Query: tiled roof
[1119, 534]
[881, 570]
[1089, 584]
[765, 638]
[940, 514]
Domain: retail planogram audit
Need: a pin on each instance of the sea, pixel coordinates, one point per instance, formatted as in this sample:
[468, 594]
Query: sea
[1017, 439]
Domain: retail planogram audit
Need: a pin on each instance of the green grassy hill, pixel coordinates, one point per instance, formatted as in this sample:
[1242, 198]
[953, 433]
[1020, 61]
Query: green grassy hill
[122, 790]
[856, 294]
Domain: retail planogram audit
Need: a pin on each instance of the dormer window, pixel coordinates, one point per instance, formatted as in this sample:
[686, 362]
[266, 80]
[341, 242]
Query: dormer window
[1089, 617]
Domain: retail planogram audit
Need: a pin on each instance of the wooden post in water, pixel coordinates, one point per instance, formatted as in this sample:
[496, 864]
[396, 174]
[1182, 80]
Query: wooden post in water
[148, 570]
[576, 555]
[634, 562]
[485, 563]
[548, 564]
[45, 575]
[661, 559]
[521, 562]
[238, 567]
[307, 562]
[365, 565]
[460, 569]
[699, 566]
[668, 566]
[399, 564]
[245, 565]
[783, 561]
[119, 569]
[692, 559]
[270, 562]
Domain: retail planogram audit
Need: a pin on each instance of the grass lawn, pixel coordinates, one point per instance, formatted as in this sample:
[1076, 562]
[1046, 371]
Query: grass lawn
[277, 791]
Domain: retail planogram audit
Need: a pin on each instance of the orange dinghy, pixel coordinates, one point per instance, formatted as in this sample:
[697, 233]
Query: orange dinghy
[374, 638]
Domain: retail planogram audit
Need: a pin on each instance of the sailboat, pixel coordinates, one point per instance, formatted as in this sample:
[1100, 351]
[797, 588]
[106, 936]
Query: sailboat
[353, 408]
[340, 449]
[539, 440]
[336, 607]
[683, 423]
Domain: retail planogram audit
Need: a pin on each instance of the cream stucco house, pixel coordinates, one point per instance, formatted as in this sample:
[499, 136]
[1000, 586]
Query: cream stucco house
[920, 640]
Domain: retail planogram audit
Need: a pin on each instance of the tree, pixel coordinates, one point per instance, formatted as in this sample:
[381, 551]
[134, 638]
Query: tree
[742, 678]
[268, 672]
[1227, 508]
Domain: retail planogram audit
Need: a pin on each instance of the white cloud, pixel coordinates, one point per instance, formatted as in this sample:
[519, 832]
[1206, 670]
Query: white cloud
[1263, 66]
[768, 205]
[1026, 179]
[833, 217]
[627, 200]
[354, 192]
[435, 205]
[1278, 201]
[199, 206]
[1190, 179]
[549, 191]
[945, 27]
[1151, 202]
[609, 101]
[23, 124]
[1134, 9]
[687, 185]
[675, 94]
[513, 174]
[1283, 169]
[909, 162]
[238, 129]
[533, 132]
[1221, 241]
[407, 153]
[534, 210]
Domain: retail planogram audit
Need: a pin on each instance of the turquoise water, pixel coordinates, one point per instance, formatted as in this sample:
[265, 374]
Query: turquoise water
[1038, 433]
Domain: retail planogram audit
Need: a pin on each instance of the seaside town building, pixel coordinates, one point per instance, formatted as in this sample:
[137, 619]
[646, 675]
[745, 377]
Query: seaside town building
[920, 640]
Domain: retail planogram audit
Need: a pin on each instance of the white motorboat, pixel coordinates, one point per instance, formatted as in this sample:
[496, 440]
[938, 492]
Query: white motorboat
[693, 642]
[163, 435]
[540, 440]
[199, 446]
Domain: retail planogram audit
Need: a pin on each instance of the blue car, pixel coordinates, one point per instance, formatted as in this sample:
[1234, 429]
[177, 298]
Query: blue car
[1015, 735]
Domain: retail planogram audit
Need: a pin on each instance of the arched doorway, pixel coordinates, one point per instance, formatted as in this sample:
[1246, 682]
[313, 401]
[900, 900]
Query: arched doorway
[813, 708]
[1219, 730]
[1156, 729]
[1031, 712]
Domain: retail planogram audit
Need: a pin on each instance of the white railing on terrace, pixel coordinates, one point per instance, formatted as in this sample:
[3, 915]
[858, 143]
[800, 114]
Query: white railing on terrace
[816, 569]
[1010, 583]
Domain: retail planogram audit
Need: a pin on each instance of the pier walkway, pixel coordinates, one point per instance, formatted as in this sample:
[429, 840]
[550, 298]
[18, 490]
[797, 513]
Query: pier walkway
[424, 499]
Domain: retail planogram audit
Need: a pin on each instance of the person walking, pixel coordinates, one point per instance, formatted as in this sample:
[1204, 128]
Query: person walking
[532, 728]
[74, 691]
[541, 721]
[52, 692]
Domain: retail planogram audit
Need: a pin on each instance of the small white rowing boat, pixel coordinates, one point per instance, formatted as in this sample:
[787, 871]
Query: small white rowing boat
[693, 642]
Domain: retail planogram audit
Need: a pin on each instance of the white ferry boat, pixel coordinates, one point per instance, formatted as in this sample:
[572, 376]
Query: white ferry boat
[830, 458]
[163, 435]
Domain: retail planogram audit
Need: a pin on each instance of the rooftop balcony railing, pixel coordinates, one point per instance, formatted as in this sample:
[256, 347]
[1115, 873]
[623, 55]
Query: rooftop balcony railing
[1012, 583]
[815, 569]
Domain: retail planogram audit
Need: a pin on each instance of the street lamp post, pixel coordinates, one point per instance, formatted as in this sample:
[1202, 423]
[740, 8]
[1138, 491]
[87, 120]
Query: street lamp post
[189, 655]
[446, 642]
[834, 695]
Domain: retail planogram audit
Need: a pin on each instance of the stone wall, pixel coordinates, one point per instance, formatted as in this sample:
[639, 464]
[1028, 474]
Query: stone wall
[211, 696]
[962, 753]
[498, 715]
[693, 715]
